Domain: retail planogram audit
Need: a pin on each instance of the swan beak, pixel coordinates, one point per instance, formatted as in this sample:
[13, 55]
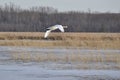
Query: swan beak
[65, 26]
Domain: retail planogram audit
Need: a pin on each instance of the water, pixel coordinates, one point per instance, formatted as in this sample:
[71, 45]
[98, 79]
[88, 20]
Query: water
[20, 72]
[54, 50]
[7, 51]
[15, 70]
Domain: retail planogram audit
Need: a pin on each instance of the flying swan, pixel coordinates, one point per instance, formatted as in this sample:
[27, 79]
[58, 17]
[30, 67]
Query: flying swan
[52, 28]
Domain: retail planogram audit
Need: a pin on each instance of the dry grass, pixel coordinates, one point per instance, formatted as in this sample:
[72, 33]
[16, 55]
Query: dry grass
[85, 40]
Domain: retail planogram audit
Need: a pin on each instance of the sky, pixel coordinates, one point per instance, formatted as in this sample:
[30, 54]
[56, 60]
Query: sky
[70, 5]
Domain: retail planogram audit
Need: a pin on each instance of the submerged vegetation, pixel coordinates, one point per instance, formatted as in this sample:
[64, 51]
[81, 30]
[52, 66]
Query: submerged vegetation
[71, 60]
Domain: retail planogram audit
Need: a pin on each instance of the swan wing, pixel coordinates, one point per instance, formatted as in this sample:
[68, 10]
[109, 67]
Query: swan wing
[53, 28]
[47, 33]
[61, 28]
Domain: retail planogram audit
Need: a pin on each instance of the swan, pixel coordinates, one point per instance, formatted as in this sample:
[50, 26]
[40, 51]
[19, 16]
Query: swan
[52, 28]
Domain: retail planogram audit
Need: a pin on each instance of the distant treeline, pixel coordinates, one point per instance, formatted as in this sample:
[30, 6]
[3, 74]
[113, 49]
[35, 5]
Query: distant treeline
[37, 19]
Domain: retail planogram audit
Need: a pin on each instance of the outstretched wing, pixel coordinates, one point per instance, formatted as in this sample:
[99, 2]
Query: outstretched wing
[61, 28]
[47, 33]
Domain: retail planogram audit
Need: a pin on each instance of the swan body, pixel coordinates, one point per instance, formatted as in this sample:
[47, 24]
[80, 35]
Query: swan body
[60, 27]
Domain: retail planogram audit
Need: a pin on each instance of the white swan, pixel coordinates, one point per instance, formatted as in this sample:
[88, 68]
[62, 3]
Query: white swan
[60, 27]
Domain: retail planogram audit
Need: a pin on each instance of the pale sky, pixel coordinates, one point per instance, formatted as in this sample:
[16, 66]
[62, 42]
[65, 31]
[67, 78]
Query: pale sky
[70, 5]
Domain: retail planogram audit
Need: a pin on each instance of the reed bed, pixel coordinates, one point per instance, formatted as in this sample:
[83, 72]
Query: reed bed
[85, 40]
[59, 36]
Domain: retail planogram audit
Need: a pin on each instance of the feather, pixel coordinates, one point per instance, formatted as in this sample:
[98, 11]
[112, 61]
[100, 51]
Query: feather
[47, 33]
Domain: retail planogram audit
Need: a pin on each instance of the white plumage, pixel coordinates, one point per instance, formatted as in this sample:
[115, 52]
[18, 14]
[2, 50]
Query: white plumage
[47, 33]
[60, 27]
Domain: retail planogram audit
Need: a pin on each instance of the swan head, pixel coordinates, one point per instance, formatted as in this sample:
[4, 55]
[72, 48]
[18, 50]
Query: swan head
[65, 26]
